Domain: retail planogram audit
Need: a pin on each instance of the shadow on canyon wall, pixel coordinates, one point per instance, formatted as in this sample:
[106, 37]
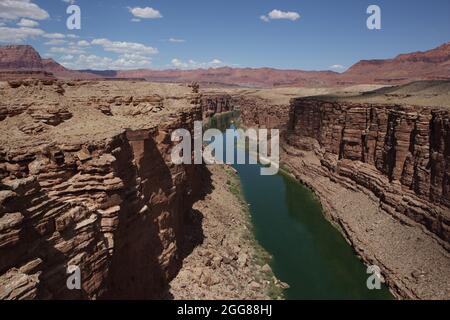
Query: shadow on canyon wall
[157, 227]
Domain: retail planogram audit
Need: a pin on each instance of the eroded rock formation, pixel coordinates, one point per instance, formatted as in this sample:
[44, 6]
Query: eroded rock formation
[259, 113]
[400, 153]
[24, 57]
[89, 192]
[213, 103]
[381, 172]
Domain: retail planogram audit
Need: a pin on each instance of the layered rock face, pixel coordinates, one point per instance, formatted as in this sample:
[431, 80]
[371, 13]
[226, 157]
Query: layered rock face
[431, 64]
[112, 205]
[213, 103]
[380, 168]
[258, 113]
[19, 57]
[18, 62]
[400, 153]
[99, 207]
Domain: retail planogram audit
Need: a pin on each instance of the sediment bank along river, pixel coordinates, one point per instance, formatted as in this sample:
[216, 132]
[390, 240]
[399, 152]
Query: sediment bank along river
[308, 252]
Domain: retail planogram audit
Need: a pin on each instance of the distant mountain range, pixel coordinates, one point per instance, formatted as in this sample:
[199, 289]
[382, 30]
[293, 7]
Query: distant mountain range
[429, 65]
[18, 60]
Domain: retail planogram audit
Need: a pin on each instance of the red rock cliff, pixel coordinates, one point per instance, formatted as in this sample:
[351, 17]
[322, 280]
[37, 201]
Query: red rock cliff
[400, 153]
[114, 209]
[113, 206]
[19, 57]
[381, 173]
[257, 112]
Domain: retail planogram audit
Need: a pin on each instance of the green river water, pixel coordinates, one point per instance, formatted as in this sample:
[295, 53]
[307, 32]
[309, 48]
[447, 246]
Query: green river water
[308, 253]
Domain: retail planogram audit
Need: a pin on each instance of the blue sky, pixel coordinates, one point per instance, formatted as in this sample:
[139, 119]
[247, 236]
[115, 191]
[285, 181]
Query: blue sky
[310, 35]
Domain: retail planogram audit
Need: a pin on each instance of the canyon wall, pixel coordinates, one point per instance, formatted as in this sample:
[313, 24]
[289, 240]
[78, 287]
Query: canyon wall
[381, 173]
[115, 207]
[254, 111]
[400, 153]
[214, 103]
[259, 113]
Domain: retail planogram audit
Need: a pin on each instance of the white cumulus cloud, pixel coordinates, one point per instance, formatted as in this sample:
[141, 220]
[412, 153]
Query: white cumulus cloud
[67, 57]
[15, 9]
[55, 42]
[27, 23]
[83, 43]
[16, 35]
[124, 47]
[278, 14]
[67, 50]
[54, 36]
[145, 13]
[94, 62]
[179, 64]
[122, 55]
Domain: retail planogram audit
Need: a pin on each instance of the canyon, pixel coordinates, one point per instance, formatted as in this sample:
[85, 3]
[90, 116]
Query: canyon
[378, 161]
[86, 177]
[87, 181]
[80, 159]
[379, 164]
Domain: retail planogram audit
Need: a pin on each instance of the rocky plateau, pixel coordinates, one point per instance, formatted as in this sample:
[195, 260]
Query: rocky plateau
[379, 164]
[87, 181]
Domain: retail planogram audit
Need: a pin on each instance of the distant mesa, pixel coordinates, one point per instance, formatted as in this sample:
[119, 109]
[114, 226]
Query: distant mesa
[22, 61]
[429, 65]
[21, 57]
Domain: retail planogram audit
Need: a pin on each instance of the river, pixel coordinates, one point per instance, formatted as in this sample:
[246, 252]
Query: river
[308, 252]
